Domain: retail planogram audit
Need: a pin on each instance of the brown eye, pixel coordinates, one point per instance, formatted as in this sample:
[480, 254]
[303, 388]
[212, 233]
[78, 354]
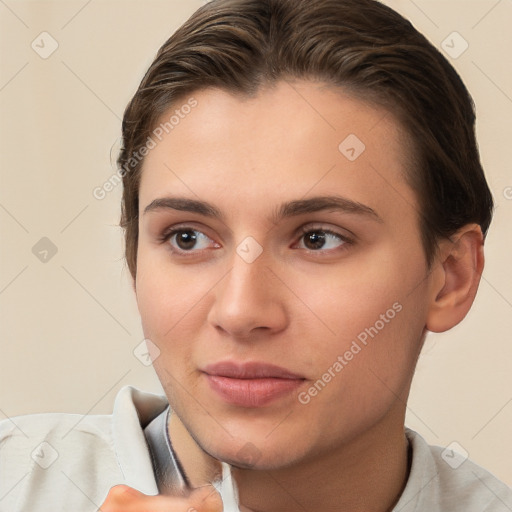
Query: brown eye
[189, 240]
[186, 240]
[314, 240]
[321, 240]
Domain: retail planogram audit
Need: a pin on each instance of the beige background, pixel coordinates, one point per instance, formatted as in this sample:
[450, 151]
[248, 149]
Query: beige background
[69, 326]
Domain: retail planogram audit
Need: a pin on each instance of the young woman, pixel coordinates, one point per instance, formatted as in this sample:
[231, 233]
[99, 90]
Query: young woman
[303, 201]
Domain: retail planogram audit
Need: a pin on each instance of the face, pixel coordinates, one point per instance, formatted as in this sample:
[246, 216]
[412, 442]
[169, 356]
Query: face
[281, 272]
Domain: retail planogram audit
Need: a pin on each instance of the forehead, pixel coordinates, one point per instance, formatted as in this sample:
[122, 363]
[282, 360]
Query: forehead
[288, 141]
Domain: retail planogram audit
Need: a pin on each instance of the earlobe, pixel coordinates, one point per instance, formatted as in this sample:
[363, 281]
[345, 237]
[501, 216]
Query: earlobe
[457, 276]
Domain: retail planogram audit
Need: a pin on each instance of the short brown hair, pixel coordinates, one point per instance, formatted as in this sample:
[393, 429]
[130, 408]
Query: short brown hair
[362, 46]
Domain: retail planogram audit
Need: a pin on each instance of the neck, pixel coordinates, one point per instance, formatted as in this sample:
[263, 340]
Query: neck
[366, 474]
[360, 477]
[199, 467]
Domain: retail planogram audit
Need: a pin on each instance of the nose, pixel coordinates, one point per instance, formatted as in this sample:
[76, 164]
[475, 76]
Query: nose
[249, 301]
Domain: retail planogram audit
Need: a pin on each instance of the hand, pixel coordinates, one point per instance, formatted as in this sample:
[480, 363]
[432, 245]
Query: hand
[122, 498]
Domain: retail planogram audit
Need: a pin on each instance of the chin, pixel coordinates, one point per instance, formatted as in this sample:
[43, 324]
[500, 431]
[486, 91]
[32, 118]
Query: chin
[254, 455]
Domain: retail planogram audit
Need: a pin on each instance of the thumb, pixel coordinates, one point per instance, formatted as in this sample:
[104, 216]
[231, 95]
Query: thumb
[205, 499]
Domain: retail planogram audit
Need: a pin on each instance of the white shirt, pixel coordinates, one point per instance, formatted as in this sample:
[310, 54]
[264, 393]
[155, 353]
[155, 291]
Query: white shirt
[68, 462]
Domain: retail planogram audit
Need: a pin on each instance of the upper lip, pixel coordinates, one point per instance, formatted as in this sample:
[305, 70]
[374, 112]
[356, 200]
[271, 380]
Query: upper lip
[249, 370]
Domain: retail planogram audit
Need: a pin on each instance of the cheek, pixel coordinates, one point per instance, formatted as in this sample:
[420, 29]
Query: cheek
[355, 296]
[169, 306]
[168, 296]
[367, 325]
[366, 375]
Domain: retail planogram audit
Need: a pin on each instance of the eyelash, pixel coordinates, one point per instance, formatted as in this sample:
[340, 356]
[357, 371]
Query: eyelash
[304, 230]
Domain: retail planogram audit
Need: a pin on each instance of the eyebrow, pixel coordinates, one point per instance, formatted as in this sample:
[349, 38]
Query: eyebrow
[295, 208]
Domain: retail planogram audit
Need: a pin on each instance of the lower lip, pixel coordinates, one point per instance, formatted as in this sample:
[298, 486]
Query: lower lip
[252, 392]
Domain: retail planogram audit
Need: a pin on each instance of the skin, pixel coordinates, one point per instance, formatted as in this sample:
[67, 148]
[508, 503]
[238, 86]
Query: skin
[297, 305]
[125, 499]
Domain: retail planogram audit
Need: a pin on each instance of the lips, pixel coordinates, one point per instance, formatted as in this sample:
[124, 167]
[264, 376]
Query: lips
[249, 370]
[251, 384]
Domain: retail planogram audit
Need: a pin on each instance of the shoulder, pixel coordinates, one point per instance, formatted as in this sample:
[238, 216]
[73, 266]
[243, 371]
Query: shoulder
[72, 457]
[44, 454]
[444, 479]
[466, 485]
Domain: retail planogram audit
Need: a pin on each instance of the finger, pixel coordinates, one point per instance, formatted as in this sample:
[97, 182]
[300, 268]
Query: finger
[206, 499]
[122, 498]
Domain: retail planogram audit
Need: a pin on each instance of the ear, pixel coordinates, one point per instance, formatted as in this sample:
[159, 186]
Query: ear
[456, 277]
